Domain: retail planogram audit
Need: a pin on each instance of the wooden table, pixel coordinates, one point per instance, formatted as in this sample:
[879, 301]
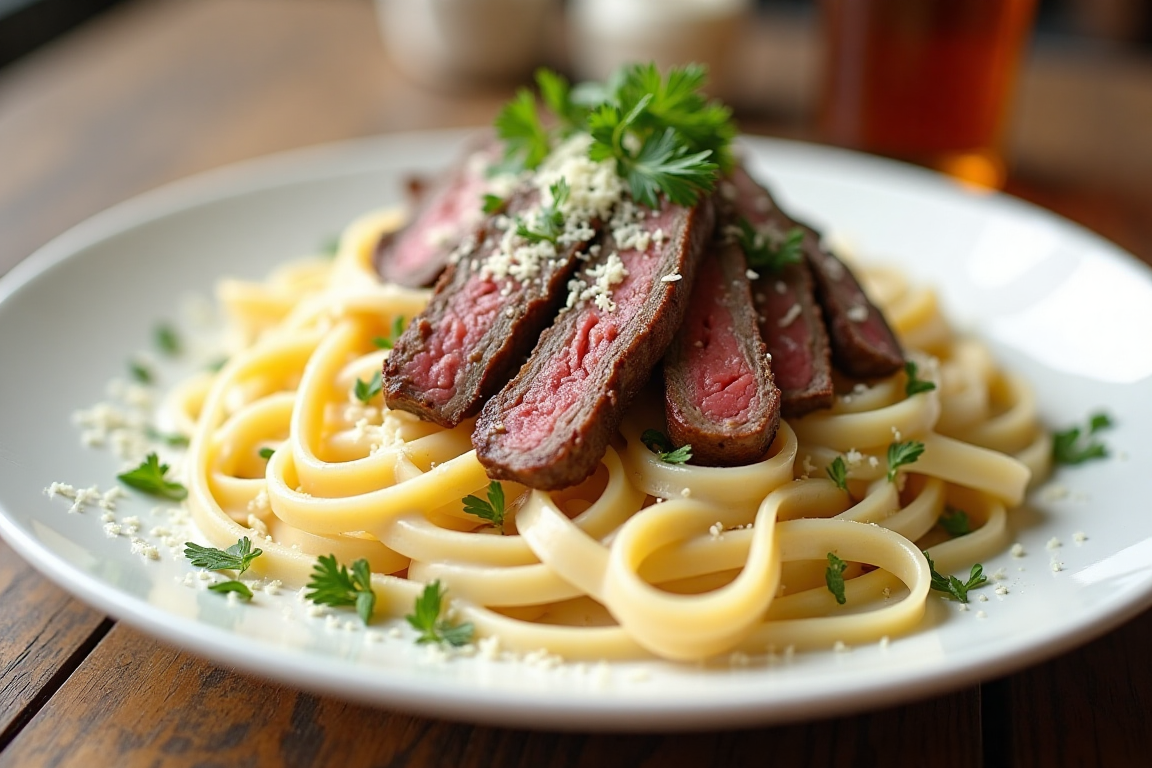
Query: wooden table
[160, 89]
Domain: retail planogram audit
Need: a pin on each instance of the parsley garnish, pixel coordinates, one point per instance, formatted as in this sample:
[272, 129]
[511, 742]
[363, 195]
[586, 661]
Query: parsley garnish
[217, 364]
[1075, 446]
[173, 439]
[266, 452]
[236, 558]
[366, 390]
[141, 373]
[425, 619]
[149, 477]
[333, 585]
[389, 341]
[915, 385]
[551, 221]
[663, 134]
[491, 510]
[492, 204]
[955, 522]
[838, 471]
[766, 252]
[659, 444]
[952, 586]
[167, 340]
[834, 577]
[330, 246]
[526, 143]
[900, 454]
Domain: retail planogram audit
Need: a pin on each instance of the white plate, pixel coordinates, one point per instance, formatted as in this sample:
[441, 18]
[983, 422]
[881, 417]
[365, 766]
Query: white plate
[1058, 304]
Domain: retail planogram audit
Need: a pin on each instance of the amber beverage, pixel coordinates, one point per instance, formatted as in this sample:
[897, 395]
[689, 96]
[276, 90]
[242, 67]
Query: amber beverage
[923, 80]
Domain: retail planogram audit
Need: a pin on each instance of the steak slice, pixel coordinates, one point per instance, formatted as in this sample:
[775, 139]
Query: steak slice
[483, 317]
[549, 427]
[862, 343]
[791, 321]
[416, 255]
[719, 392]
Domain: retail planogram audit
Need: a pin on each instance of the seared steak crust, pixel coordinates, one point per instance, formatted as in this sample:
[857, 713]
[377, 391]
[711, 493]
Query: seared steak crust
[549, 427]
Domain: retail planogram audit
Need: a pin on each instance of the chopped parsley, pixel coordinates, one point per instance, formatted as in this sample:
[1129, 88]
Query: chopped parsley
[767, 253]
[150, 478]
[266, 452]
[492, 203]
[834, 577]
[659, 444]
[491, 510]
[955, 522]
[952, 586]
[173, 439]
[237, 557]
[426, 620]
[915, 385]
[838, 471]
[902, 454]
[330, 246]
[1076, 445]
[140, 373]
[167, 340]
[389, 341]
[366, 390]
[551, 221]
[332, 584]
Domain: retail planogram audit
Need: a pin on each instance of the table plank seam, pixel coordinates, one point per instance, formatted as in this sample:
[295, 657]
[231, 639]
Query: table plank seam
[54, 683]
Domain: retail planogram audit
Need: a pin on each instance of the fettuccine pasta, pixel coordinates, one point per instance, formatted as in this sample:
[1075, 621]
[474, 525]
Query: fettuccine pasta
[645, 558]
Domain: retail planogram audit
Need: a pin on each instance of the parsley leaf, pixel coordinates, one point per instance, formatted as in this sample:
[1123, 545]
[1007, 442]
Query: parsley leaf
[266, 452]
[167, 340]
[141, 373]
[425, 619]
[526, 143]
[557, 95]
[492, 203]
[834, 577]
[551, 220]
[838, 471]
[239, 587]
[491, 510]
[330, 246]
[915, 385]
[366, 390]
[659, 444]
[955, 522]
[149, 478]
[766, 251]
[952, 586]
[389, 341]
[1076, 446]
[173, 439]
[236, 558]
[900, 454]
[333, 585]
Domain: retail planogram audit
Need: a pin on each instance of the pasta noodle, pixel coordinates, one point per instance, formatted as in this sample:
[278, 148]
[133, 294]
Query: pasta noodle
[644, 558]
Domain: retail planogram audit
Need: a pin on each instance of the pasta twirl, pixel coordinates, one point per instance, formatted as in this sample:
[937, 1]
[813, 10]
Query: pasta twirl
[643, 559]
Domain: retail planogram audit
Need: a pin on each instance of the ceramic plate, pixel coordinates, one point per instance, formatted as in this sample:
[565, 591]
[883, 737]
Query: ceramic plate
[1059, 305]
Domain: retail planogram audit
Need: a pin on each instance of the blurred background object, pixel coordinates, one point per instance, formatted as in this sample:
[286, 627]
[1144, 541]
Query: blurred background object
[929, 81]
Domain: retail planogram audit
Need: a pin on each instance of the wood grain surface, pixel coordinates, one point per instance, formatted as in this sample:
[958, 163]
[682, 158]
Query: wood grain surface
[159, 89]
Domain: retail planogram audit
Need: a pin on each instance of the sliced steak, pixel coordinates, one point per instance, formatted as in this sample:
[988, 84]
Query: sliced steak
[449, 211]
[481, 321]
[791, 321]
[862, 343]
[719, 393]
[550, 426]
